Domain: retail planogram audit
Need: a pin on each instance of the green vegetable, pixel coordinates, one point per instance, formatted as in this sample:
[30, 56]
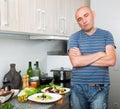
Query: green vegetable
[7, 106]
[28, 91]
[23, 95]
[42, 87]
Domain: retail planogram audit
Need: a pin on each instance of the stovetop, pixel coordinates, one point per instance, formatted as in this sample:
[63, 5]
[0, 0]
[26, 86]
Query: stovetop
[62, 83]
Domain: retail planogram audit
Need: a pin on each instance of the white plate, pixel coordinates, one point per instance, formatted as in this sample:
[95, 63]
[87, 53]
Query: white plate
[16, 91]
[55, 97]
[67, 90]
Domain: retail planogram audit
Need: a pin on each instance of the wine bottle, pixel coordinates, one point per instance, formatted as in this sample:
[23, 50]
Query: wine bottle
[37, 72]
[30, 70]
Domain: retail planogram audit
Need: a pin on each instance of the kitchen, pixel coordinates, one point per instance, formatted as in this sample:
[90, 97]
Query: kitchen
[26, 33]
[19, 48]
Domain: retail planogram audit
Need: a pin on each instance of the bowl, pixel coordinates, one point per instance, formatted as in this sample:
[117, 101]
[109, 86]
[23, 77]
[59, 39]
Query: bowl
[45, 80]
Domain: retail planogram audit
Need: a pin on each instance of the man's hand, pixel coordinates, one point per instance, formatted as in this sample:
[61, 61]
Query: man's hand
[75, 51]
[109, 59]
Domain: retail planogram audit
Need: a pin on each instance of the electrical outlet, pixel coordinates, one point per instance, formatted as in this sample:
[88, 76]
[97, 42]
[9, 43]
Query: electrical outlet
[115, 105]
[116, 67]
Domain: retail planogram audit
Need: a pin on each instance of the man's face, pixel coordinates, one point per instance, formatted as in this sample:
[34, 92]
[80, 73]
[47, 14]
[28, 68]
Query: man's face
[85, 19]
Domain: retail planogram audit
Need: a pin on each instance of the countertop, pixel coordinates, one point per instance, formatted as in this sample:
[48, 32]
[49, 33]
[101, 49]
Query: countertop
[31, 105]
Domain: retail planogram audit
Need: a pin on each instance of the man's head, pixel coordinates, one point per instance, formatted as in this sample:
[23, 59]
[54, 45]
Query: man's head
[85, 18]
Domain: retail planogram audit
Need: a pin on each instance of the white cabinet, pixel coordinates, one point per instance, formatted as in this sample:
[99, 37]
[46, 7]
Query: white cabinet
[47, 17]
[40, 17]
[26, 15]
[54, 17]
[9, 15]
[50, 17]
[66, 23]
[63, 17]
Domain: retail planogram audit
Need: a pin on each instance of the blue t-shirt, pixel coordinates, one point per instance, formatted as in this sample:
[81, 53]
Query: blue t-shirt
[88, 45]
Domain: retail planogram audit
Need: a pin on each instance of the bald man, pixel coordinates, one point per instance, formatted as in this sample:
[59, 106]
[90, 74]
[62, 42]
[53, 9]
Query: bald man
[91, 51]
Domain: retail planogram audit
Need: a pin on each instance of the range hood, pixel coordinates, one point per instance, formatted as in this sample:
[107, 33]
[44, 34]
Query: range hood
[25, 35]
[49, 37]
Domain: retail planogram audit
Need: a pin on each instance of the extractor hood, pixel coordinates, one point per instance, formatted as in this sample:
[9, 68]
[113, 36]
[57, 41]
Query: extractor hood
[31, 36]
[49, 37]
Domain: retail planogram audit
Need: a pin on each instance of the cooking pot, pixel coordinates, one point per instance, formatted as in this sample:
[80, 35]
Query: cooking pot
[45, 80]
[61, 74]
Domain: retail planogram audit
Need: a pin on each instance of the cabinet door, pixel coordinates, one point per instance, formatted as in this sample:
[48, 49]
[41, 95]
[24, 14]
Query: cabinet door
[41, 16]
[63, 17]
[54, 17]
[9, 15]
[51, 15]
[31, 16]
[24, 18]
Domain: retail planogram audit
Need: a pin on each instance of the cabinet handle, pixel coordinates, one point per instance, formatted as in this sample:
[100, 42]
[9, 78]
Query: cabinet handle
[41, 20]
[4, 12]
[62, 25]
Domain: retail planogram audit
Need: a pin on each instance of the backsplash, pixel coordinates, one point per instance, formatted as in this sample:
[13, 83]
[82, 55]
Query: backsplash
[21, 51]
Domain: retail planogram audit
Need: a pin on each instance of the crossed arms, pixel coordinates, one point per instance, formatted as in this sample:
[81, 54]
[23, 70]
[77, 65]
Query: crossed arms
[107, 58]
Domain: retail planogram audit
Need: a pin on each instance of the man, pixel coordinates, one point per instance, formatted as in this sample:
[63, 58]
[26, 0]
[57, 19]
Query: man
[91, 51]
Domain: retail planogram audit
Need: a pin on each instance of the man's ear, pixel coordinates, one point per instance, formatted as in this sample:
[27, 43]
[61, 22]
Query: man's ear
[94, 15]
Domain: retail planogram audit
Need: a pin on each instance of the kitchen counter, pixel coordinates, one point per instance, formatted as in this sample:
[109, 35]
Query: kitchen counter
[63, 104]
[28, 105]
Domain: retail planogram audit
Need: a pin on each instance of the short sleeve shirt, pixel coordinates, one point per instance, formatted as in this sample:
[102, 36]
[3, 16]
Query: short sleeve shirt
[88, 45]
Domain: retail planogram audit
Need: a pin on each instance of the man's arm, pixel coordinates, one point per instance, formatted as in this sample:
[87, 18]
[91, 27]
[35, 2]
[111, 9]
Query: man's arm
[77, 59]
[109, 59]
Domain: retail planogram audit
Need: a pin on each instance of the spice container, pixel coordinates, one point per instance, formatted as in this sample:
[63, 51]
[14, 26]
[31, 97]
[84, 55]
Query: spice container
[34, 81]
[25, 80]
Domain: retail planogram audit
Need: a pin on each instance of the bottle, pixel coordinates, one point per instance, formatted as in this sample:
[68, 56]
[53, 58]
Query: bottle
[30, 70]
[36, 73]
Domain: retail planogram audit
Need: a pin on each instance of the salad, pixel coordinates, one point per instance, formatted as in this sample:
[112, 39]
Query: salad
[56, 89]
[44, 97]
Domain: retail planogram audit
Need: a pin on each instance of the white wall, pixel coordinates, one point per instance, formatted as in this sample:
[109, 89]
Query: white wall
[21, 51]
[108, 17]
[58, 61]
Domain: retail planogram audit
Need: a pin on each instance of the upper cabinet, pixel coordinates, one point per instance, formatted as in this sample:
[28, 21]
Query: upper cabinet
[44, 17]
[63, 17]
[47, 17]
[9, 15]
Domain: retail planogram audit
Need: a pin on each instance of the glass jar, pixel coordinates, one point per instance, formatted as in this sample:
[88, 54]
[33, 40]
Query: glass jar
[34, 82]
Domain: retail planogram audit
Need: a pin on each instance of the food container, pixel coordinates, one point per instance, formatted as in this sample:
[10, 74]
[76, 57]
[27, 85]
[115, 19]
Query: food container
[61, 74]
[34, 82]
